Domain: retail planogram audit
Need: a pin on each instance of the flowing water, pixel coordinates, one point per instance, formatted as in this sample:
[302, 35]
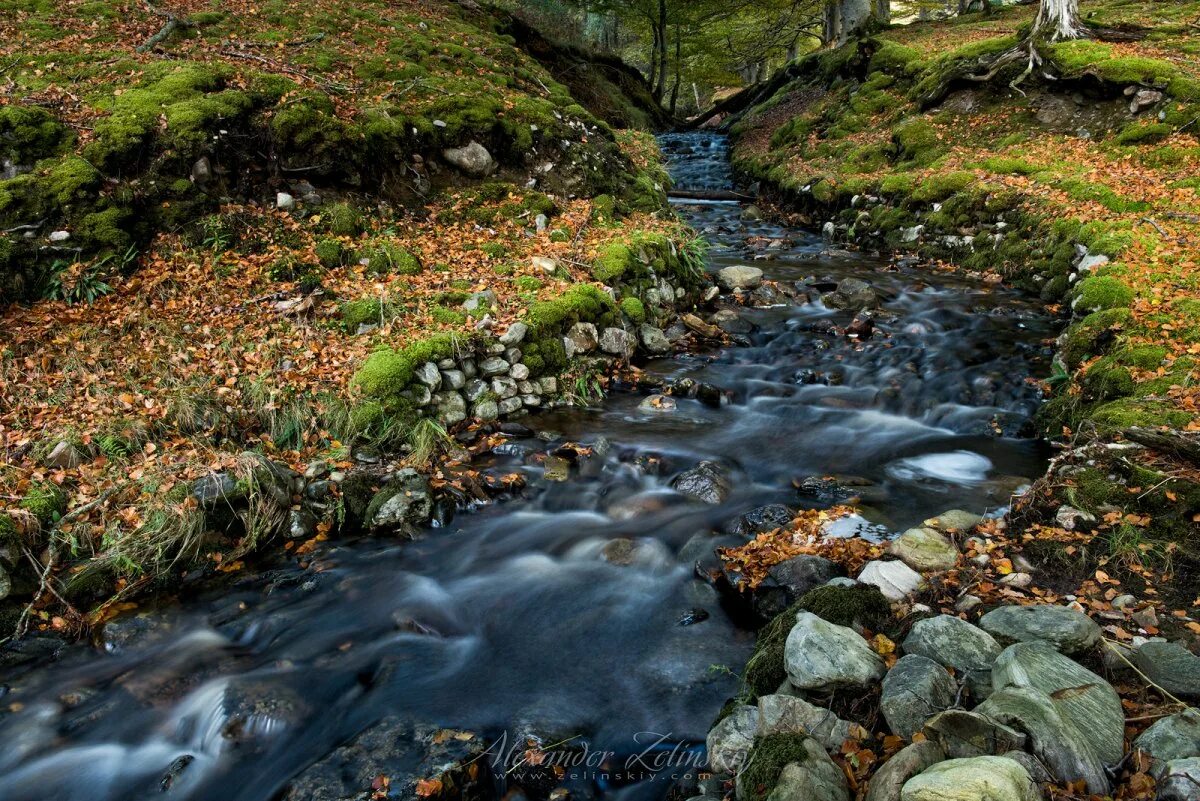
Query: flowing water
[517, 617]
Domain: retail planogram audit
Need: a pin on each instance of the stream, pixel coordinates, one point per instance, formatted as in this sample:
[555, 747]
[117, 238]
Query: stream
[574, 611]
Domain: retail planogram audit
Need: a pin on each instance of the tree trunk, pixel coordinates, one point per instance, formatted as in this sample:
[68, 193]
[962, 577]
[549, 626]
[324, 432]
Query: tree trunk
[675, 85]
[1058, 20]
[653, 82]
[661, 86]
[831, 30]
[883, 10]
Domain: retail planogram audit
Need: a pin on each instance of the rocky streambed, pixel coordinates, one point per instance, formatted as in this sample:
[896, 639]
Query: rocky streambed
[580, 639]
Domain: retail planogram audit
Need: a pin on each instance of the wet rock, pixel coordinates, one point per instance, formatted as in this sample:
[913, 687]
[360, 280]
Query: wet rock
[472, 158]
[486, 410]
[658, 403]
[760, 519]
[909, 761]
[924, 549]
[202, 171]
[556, 468]
[752, 213]
[707, 482]
[788, 714]
[400, 750]
[731, 322]
[617, 342]
[984, 778]
[1174, 737]
[700, 327]
[1179, 780]
[790, 579]
[451, 408]
[1170, 666]
[405, 501]
[64, 456]
[1083, 700]
[302, 525]
[819, 655]
[1066, 629]
[955, 643]
[853, 294]
[914, 690]
[494, 365]
[739, 277]
[895, 580]
[862, 326]
[954, 520]
[1059, 743]
[730, 740]
[653, 339]
[815, 777]
[970, 734]
[214, 489]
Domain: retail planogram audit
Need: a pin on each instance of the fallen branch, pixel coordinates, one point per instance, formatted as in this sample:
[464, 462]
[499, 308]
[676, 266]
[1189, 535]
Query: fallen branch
[335, 87]
[307, 40]
[1176, 444]
[173, 24]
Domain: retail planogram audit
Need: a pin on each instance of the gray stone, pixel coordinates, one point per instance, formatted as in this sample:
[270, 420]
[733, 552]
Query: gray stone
[1057, 742]
[954, 520]
[451, 408]
[1170, 666]
[504, 386]
[519, 371]
[1068, 630]
[819, 655]
[895, 580]
[653, 339]
[852, 294]
[64, 456]
[752, 213]
[284, 201]
[983, 778]
[201, 171]
[1179, 780]
[1083, 699]
[486, 410]
[485, 299]
[59, 236]
[969, 734]
[514, 335]
[617, 342]
[910, 760]
[739, 277]
[406, 500]
[429, 375]
[494, 365]
[788, 580]
[531, 400]
[510, 405]
[1144, 98]
[472, 158]
[454, 379]
[1033, 766]
[788, 714]
[580, 338]
[548, 385]
[658, 403]
[418, 393]
[924, 549]
[914, 690]
[1174, 737]
[707, 482]
[815, 777]
[512, 355]
[544, 264]
[301, 524]
[5, 583]
[215, 489]
[476, 388]
[730, 740]
[955, 643]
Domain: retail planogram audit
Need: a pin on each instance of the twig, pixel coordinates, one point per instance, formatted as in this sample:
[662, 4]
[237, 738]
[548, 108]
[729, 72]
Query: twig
[173, 23]
[27, 227]
[1112, 646]
[1157, 227]
[285, 69]
[307, 40]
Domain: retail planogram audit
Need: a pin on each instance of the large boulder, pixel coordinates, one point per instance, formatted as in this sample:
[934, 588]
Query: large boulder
[1174, 737]
[1066, 629]
[924, 549]
[405, 501]
[1084, 700]
[472, 158]
[889, 780]
[730, 740]
[823, 656]
[955, 643]
[739, 277]
[961, 733]
[895, 580]
[984, 778]
[915, 689]
[707, 482]
[1056, 741]
[1170, 666]
[1179, 780]
[788, 714]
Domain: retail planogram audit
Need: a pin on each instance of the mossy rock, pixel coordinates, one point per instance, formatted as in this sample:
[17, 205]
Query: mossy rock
[634, 309]
[342, 219]
[45, 501]
[331, 253]
[917, 140]
[768, 757]
[29, 134]
[1144, 133]
[846, 606]
[364, 311]
[1094, 335]
[387, 258]
[1100, 292]
[1107, 379]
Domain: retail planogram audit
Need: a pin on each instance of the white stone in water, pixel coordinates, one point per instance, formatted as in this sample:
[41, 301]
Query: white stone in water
[956, 467]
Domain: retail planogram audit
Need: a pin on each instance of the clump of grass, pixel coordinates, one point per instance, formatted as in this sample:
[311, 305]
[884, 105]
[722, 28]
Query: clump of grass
[426, 438]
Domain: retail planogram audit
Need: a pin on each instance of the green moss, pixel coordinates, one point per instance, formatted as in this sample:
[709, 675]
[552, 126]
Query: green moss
[765, 672]
[528, 283]
[331, 253]
[765, 762]
[45, 501]
[823, 191]
[898, 184]
[604, 208]
[942, 185]
[307, 130]
[845, 606]
[1100, 292]
[387, 373]
[30, 133]
[1127, 412]
[1107, 379]
[1008, 165]
[613, 263]
[364, 311]
[342, 219]
[893, 58]
[10, 536]
[917, 141]
[581, 302]
[1144, 133]
[386, 258]
[1093, 335]
[446, 316]
[634, 309]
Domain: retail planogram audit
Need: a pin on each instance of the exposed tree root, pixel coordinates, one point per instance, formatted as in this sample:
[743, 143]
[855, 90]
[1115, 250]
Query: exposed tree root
[173, 24]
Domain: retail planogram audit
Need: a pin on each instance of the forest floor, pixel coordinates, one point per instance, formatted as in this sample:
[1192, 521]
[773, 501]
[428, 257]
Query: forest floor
[192, 316]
